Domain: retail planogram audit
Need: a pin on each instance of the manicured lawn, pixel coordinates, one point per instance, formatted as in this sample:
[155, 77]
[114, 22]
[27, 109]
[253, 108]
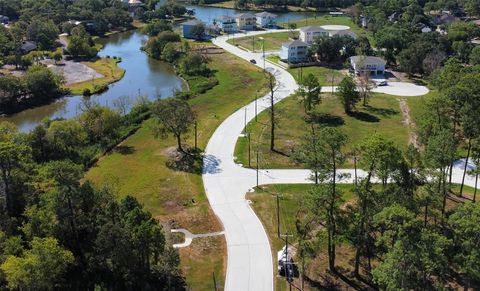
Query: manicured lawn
[138, 168]
[336, 20]
[291, 202]
[273, 41]
[107, 67]
[382, 115]
[323, 74]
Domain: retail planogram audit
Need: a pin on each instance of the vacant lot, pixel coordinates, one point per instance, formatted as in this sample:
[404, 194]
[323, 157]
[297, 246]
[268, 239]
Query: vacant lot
[382, 115]
[273, 41]
[138, 167]
[106, 72]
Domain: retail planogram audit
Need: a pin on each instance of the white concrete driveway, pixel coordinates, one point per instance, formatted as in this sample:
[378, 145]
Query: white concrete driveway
[250, 261]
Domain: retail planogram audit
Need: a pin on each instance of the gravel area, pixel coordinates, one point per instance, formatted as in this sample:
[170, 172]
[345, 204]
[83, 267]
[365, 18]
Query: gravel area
[75, 72]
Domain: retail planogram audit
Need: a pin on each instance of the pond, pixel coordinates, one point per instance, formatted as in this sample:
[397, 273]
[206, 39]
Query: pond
[143, 76]
[208, 14]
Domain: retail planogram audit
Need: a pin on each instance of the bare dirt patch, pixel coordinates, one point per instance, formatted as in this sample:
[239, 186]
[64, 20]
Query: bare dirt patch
[75, 72]
[407, 120]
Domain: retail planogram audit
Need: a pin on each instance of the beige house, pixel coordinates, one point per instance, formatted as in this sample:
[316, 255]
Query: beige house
[246, 21]
[309, 33]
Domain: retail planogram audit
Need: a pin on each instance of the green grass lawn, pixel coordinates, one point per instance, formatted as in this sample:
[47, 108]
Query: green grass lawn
[138, 168]
[325, 75]
[382, 115]
[273, 41]
[291, 201]
[336, 20]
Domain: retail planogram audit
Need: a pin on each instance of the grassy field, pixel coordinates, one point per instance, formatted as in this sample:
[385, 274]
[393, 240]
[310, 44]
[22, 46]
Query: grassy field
[107, 67]
[335, 20]
[323, 74]
[291, 201]
[273, 41]
[382, 115]
[138, 167]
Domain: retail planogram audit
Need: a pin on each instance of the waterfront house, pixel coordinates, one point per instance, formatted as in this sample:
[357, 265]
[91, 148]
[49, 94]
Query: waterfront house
[4, 19]
[188, 29]
[294, 52]
[344, 33]
[226, 23]
[309, 33]
[368, 64]
[246, 21]
[266, 20]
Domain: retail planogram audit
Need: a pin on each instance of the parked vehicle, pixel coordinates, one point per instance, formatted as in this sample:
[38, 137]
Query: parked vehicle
[253, 61]
[383, 83]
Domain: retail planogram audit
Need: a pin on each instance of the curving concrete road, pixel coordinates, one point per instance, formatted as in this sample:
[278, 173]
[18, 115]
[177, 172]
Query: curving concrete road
[249, 265]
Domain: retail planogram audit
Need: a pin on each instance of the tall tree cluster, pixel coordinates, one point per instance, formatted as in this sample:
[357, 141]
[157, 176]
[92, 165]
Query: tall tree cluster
[59, 232]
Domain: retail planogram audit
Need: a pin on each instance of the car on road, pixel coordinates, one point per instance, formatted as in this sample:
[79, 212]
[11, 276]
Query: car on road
[383, 83]
[253, 61]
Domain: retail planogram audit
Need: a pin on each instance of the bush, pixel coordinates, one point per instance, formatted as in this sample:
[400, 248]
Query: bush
[86, 92]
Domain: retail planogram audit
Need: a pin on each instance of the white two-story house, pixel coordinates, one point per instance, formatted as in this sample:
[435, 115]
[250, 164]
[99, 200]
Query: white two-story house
[309, 33]
[368, 64]
[266, 20]
[294, 52]
[226, 23]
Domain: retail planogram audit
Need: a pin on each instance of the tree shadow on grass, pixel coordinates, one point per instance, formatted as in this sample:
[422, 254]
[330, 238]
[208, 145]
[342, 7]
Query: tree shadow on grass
[325, 119]
[381, 111]
[125, 150]
[190, 161]
[364, 116]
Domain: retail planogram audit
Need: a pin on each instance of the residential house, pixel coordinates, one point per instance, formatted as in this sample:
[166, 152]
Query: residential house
[309, 33]
[246, 21]
[394, 17]
[226, 23]
[266, 20]
[28, 46]
[344, 33]
[188, 29]
[294, 51]
[4, 19]
[368, 64]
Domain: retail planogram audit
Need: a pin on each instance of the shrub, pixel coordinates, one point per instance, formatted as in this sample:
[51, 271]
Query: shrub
[86, 92]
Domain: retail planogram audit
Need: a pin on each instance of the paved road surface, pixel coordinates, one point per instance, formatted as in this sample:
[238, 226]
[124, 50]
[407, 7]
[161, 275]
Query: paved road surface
[250, 262]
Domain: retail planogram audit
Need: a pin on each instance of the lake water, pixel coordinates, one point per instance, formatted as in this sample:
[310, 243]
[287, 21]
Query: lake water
[143, 76]
[207, 14]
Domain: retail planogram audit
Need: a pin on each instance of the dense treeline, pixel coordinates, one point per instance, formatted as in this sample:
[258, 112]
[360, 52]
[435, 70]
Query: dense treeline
[57, 232]
[38, 86]
[404, 228]
[166, 45]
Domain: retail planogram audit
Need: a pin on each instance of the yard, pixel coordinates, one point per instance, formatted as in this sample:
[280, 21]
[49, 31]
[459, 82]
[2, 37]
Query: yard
[332, 20]
[273, 41]
[382, 115]
[138, 167]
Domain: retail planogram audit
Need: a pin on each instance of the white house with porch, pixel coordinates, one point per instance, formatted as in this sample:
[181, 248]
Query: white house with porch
[368, 64]
[246, 21]
[309, 33]
[266, 20]
[294, 52]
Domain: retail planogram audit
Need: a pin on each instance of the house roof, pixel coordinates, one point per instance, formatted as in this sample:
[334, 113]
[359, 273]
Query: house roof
[294, 43]
[311, 28]
[28, 46]
[192, 22]
[135, 2]
[245, 15]
[367, 60]
[225, 18]
[265, 14]
[345, 33]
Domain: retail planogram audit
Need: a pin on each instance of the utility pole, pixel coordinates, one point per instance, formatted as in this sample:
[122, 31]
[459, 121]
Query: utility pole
[253, 43]
[257, 168]
[278, 216]
[249, 150]
[355, 165]
[256, 97]
[195, 128]
[331, 71]
[214, 282]
[245, 120]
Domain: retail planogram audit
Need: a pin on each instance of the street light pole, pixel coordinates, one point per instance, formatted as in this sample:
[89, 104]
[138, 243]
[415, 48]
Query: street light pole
[257, 168]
